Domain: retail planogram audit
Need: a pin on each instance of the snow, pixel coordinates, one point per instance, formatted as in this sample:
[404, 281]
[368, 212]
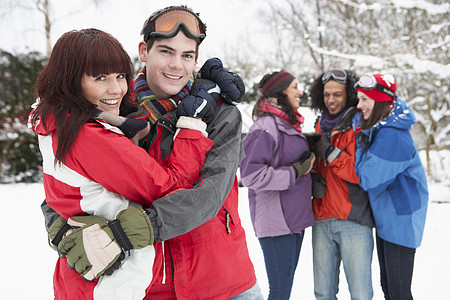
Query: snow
[28, 261]
[32, 260]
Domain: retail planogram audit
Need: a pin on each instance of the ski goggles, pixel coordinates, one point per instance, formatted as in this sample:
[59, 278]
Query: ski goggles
[167, 24]
[368, 82]
[338, 75]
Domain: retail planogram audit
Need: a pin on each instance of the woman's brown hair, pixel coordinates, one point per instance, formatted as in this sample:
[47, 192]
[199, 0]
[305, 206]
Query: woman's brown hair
[58, 87]
[379, 112]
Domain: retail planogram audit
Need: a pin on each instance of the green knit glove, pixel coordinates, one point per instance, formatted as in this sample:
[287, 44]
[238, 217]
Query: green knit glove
[304, 165]
[97, 246]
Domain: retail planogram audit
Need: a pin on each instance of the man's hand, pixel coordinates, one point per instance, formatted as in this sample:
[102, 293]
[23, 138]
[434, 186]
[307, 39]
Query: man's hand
[319, 185]
[323, 147]
[136, 130]
[312, 138]
[201, 103]
[325, 150]
[97, 246]
[230, 83]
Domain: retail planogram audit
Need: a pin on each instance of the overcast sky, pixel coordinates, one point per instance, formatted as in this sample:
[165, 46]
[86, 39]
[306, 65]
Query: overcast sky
[227, 21]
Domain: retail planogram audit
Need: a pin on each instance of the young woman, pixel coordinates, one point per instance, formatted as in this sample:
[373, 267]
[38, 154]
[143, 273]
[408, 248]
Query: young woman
[390, 170]
[90, 167]
[276, 171]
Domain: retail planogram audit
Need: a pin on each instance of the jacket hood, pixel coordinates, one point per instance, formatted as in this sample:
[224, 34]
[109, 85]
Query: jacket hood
[38, 128]
[401, 117]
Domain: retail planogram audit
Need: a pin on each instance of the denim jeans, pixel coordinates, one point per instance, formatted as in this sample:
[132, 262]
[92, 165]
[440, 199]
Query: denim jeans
[336, 240]
[281, 255]
[253, 293]
[396, 269]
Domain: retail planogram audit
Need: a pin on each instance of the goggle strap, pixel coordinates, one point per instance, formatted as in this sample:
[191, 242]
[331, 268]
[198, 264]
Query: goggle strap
[384, 90]
[378, 87]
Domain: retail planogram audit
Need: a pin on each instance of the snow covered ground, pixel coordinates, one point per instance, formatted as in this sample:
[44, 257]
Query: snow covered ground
[28, 262]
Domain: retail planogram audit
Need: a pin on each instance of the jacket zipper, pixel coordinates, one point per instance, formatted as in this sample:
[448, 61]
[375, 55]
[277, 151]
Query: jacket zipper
[228, 218]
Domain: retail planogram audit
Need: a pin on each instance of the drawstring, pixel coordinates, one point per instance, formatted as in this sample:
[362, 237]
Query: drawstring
[228, 223]
[164, 264]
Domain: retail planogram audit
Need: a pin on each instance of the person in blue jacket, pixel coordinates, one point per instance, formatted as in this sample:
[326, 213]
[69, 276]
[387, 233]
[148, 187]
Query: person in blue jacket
[390, 170]
[276, 171]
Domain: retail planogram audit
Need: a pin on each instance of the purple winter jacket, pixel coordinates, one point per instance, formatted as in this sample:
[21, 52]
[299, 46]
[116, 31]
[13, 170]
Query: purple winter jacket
[280, 204]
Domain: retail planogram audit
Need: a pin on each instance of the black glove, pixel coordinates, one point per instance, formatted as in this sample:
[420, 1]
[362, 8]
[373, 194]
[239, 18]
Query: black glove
[319, 185]
[230, 83]
[323, 147]
[136, 130]
[312, 138]
[201, 102]
[304, 164]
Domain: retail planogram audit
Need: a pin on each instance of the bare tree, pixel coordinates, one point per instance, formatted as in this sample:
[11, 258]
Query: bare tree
[408, 40]
[43, 7]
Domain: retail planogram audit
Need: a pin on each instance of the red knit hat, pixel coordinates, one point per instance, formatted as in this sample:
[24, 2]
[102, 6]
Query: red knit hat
[386, 81]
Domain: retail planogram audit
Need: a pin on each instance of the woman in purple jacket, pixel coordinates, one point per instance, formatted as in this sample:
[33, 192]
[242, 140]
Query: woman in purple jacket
[276, 171]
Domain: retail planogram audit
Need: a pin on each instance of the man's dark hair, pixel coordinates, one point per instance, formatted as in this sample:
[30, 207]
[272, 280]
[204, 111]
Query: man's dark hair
[316, 92]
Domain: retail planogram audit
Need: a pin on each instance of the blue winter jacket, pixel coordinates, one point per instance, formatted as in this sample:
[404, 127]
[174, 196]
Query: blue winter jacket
[280, 204]
[392, 173]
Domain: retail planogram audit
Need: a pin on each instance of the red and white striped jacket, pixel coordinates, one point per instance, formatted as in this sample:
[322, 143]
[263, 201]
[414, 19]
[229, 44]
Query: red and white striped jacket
[104, 173]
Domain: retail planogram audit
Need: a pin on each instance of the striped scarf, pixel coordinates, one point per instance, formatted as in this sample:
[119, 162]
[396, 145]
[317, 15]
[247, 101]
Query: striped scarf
[154, 108]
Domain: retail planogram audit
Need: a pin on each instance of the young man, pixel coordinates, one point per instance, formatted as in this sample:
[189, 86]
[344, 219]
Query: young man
[204, 239]
[343, 219]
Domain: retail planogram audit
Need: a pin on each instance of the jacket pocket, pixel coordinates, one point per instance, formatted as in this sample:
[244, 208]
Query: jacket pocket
[405, 203]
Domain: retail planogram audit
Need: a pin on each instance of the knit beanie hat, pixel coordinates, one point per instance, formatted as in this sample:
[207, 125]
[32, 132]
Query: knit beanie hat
[275, 82]
[377, 95]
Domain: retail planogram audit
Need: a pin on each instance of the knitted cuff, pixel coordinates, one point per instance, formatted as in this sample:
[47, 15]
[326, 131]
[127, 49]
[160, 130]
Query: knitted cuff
[192, 123]
[152, 215]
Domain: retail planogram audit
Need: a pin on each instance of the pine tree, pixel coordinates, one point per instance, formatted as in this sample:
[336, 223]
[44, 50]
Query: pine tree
[20, 160]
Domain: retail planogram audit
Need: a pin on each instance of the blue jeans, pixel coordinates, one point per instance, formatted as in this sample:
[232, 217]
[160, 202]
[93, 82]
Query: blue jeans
[253, 293]
[281, 255]
[333, 241]
[396, 269]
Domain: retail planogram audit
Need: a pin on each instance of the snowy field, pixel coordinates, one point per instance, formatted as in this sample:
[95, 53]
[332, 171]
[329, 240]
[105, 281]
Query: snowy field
[28, 261]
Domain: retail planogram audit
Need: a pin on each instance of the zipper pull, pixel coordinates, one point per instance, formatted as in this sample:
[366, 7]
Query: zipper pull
[228, 222]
